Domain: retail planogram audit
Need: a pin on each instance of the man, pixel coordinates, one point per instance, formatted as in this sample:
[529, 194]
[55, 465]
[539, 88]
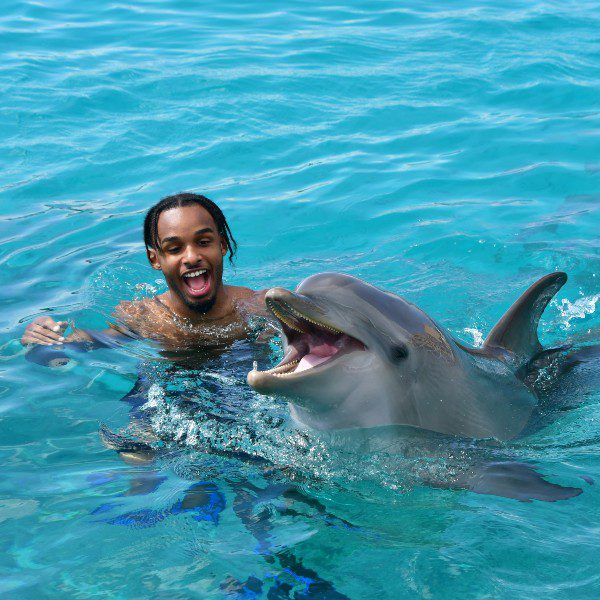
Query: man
[186, 237]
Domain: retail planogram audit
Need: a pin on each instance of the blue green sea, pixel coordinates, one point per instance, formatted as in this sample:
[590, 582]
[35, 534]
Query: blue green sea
[447, 152]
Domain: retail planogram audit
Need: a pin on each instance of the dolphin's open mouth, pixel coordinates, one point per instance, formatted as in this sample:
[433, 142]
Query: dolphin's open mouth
[311, 343]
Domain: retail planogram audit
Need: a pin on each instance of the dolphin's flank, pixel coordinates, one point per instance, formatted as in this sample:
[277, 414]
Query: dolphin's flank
[358, 356]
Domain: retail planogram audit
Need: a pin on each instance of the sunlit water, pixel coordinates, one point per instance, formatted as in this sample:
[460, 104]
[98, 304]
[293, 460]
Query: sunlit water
[448, 154]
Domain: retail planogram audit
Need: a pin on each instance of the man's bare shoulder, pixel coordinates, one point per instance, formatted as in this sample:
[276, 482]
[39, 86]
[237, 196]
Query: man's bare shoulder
[249, 300]
[239, 292]
[128, 309]
[139, 316]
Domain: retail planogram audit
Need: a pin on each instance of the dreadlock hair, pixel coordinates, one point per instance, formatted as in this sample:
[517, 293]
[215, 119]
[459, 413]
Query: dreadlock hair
[187, 199]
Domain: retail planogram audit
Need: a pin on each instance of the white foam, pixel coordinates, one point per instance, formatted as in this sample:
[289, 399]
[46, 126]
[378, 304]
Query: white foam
[156, 397]
[477, 336]
[578, 309]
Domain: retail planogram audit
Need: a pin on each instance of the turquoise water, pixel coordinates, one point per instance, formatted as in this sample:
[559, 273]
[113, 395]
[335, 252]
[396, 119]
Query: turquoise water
[448, 153]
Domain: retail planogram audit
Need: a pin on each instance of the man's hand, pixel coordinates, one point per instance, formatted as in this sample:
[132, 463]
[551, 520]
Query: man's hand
[45, 331]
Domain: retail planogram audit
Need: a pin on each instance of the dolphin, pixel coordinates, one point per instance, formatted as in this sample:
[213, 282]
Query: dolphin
[356, 356]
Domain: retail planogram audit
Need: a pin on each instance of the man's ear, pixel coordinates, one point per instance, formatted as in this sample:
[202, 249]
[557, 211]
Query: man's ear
[224, 247]
[153, 258]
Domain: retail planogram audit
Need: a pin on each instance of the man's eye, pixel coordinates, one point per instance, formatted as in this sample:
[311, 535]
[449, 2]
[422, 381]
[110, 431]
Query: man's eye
[173, 250]
[205, 242]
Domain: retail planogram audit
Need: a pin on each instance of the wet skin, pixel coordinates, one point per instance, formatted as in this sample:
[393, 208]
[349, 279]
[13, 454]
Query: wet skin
[196, 311]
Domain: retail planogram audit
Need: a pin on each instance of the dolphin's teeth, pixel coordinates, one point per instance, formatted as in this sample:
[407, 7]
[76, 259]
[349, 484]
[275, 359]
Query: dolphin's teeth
[282, 369]
[302, 317]
[284, 373]
[283, 319]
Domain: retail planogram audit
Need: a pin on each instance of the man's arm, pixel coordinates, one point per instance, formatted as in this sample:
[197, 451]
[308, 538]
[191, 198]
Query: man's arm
[45, 331]
[47, 345]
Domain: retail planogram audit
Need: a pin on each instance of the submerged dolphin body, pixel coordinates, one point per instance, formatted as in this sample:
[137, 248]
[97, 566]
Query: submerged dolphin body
[357, 356]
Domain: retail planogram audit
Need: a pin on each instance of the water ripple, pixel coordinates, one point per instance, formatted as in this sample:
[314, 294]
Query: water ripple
[448, 153]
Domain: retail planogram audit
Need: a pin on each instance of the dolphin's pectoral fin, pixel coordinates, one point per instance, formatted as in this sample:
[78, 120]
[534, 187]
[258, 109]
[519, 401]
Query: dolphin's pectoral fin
[516, 480]
[516, 332]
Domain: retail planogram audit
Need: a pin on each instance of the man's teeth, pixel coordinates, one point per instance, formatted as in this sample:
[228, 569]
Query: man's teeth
[195, 273]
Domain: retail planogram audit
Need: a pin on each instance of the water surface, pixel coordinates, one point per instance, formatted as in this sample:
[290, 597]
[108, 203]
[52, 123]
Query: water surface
[446, 153]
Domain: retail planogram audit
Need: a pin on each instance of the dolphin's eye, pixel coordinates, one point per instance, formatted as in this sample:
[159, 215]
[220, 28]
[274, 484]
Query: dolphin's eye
[399, 352]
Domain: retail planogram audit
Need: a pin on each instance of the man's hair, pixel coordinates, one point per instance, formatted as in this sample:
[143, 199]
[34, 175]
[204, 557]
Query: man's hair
[187, 199]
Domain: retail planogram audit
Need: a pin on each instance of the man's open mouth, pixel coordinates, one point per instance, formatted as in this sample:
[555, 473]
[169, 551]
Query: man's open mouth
[310, 343]
[197, 283]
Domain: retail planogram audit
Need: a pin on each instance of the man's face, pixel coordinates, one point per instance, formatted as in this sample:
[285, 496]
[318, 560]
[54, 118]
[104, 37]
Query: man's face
[190, 255]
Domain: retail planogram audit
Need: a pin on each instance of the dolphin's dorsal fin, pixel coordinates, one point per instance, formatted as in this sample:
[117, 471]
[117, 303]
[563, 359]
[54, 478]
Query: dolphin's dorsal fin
[516, 331]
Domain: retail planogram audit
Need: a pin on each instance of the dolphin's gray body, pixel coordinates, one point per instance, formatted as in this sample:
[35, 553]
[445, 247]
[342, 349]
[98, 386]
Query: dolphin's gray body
[358, 356]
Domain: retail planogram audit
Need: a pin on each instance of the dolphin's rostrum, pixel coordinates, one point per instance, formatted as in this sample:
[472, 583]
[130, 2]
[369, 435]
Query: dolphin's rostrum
[358, 356]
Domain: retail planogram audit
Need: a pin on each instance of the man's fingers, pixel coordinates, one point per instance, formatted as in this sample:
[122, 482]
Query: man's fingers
[26, 340]
[45, 322]
[59, 326]
[46, 331]
[42, 334]
[40, 338]
[51, 324]
[52, 336]
[43, 330]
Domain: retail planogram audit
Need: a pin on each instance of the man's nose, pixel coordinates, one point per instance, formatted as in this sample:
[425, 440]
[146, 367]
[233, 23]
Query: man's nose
[192, 256]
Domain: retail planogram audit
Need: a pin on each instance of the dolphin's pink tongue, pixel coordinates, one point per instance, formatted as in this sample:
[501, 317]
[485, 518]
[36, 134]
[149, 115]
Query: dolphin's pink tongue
[319, 352]
[309, 361]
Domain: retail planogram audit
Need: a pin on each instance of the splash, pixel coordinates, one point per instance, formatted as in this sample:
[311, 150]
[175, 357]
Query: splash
[253, 430]
[477, 336]
[578, 309]
[114, 282]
